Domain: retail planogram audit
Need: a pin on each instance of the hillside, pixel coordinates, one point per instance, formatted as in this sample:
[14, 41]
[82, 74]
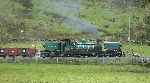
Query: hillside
[32, 19]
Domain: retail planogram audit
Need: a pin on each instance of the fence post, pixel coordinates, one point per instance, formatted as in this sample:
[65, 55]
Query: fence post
[57, 60]
[36, 59]
[103, 61]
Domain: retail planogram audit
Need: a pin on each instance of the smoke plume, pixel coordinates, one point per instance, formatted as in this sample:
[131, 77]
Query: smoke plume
[69, 10]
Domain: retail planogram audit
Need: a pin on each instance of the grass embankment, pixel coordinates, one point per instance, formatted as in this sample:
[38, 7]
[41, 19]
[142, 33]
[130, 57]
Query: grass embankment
[44, 73]
[140, 49]
[23, 45]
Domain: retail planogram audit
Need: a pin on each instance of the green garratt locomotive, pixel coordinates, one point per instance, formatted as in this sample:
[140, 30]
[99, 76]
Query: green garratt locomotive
[80, 48]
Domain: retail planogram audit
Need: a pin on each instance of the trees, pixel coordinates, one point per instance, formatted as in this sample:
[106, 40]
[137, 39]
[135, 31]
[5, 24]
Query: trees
[31, 19]
[27, 4]
[9, 23]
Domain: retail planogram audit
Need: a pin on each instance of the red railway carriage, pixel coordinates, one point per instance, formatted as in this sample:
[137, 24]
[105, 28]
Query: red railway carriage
[3, 52]
[13, 51]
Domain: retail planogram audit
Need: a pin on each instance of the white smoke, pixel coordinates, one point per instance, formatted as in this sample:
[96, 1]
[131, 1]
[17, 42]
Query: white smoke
[69, 10]
[80, 25]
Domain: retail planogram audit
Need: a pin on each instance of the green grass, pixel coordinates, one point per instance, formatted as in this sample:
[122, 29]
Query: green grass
[23, 45]
[52, 73]
[140, 49]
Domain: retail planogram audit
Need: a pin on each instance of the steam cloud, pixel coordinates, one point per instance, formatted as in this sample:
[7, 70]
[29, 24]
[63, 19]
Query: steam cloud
[80, 25]
[69, 10]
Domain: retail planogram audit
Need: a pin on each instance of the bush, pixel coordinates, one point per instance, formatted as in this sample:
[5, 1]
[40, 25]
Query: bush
[147, 64]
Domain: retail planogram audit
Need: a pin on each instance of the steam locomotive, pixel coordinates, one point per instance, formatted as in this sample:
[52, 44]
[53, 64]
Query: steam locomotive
[68, 48]
[81, 48]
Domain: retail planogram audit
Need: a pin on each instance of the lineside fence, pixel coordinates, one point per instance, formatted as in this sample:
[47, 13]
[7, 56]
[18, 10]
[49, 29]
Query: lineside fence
[77, 61]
